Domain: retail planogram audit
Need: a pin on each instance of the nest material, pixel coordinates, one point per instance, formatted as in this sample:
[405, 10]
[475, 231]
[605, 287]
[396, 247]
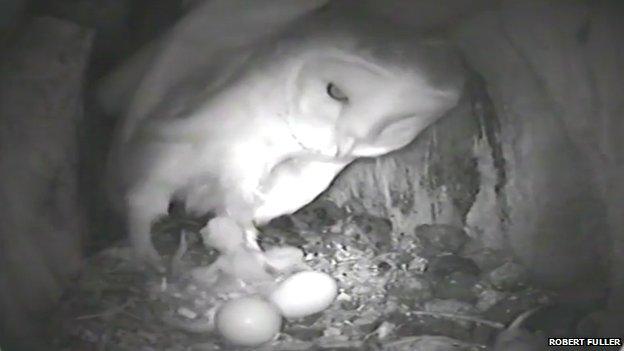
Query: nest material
[398, 291]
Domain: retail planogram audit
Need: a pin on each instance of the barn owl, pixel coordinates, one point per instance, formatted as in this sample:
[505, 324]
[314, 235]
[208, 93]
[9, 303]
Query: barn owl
[259, 129]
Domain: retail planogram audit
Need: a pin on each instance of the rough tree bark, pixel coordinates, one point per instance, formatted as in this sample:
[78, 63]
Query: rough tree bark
[41, 77]
[521, 163]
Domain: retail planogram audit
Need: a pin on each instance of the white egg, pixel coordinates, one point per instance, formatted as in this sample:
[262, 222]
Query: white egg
[304, 293]
[248, 321]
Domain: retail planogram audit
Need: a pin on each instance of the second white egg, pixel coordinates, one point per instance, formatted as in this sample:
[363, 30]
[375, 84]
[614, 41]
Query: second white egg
[304, 294]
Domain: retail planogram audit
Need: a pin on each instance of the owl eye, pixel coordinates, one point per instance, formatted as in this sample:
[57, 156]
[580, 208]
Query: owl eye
[335, 93]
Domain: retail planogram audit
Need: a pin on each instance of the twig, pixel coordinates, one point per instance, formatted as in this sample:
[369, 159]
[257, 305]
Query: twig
[112, 311]
[495, 325]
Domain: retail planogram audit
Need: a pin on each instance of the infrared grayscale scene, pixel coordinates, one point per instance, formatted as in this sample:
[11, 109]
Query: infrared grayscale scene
[294, 175]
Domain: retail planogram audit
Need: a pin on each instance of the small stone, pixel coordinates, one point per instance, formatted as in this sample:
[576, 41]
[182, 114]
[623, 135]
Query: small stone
[350, 305]
[187, 313]
[446, 264]
[441, 237]
[332, 331]
[411, 290]
[384, 330]
[343, 297]
[457, 286]
[418, 264]
[488, 259]
[509, 277]
[384, 266]
[488, 298]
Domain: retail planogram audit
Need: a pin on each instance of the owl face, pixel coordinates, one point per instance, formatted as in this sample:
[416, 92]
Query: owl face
[342, 105]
